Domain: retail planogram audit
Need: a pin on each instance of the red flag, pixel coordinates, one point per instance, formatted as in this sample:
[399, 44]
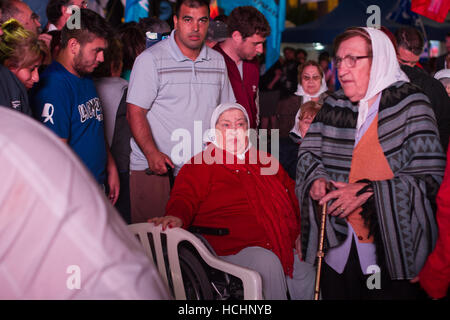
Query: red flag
[434, 9]
[213, 10]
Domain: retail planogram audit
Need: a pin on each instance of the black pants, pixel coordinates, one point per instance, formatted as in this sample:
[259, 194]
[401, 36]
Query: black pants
[352, 283]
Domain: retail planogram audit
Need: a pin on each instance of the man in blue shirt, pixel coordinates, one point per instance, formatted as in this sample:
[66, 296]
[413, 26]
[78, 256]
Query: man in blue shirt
[65, 100]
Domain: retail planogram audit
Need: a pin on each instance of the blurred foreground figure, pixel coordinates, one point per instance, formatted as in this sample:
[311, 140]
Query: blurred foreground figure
[435, 275]
[60, 238]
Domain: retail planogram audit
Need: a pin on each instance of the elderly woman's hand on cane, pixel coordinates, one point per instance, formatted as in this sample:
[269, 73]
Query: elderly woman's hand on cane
[347, 198]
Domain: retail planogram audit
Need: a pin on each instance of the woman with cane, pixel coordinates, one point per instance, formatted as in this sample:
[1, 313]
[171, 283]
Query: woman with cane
[376, 143]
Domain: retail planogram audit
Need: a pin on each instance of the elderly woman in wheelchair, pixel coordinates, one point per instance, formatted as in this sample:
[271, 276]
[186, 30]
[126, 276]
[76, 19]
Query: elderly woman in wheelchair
[233, 185]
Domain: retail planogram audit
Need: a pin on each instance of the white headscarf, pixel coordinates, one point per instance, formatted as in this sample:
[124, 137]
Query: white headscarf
[384, 72]
[221, 108]
[444, 73]
[306, 96]
[297, 121]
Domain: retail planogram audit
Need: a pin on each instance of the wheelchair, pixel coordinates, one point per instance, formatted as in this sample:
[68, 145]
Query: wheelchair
[191, 269]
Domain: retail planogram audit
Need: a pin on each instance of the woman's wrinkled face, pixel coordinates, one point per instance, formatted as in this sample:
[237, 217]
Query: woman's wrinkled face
[354, 80]
[231, 131]
[311, 80]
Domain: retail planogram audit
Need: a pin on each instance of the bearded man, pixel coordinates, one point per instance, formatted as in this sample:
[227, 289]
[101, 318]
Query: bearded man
[65, 100]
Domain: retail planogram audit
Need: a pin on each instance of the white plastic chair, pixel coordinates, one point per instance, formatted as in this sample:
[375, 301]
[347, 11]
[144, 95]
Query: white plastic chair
[251, 280]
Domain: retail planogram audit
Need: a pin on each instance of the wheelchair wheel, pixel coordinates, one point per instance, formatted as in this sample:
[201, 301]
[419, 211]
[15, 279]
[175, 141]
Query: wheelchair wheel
[195, 277]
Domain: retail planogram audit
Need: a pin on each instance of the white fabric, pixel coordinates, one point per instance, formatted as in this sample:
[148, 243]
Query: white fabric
[384, 72]
[51, 27]
[307, 97]
[441, 74]
[295, 128]
[54, 219]
[211, 136]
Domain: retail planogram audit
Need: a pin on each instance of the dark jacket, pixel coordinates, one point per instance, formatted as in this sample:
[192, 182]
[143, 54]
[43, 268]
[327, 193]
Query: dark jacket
[439, 99]
[13, 93]
[289, 153]
[440, 62]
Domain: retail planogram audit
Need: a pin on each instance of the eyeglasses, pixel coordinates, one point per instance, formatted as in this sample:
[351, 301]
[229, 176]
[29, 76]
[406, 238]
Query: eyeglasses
[307, 78]
[350, 61]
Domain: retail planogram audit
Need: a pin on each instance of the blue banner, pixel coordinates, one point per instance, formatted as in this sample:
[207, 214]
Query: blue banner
[402, 14]
[136, 9]
[275, 13]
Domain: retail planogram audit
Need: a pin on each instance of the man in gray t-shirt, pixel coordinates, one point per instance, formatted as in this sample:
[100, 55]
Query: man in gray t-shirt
[174, 87]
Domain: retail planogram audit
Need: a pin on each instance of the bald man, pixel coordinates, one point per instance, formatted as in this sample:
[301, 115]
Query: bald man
[16, 9]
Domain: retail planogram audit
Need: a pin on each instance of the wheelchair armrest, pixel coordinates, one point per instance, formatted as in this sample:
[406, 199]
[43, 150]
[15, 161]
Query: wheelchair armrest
[209, 230]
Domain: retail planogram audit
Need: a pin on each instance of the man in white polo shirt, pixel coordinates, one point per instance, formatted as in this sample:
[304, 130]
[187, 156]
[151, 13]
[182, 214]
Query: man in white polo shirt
[173, 84]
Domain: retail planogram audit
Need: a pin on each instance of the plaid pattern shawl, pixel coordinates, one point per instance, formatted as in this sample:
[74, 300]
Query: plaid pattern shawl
[402, 206]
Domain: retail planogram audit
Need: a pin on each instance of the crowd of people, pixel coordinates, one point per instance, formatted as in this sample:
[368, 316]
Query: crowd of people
[162, 122]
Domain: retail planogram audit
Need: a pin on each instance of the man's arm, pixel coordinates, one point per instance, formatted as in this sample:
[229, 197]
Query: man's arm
[142, 134]
[113, 176]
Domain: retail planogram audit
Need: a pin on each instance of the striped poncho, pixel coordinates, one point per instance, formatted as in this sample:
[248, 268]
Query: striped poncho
[402, 208]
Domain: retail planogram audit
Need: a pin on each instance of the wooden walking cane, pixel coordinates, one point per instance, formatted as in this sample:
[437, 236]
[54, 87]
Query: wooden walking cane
[320, 253]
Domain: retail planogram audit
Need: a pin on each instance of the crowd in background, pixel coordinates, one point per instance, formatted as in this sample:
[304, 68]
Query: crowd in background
[115, 94]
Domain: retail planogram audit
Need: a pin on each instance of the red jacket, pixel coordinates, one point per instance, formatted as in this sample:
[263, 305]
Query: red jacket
[259, 210]
[435, 275]
[245, 88]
